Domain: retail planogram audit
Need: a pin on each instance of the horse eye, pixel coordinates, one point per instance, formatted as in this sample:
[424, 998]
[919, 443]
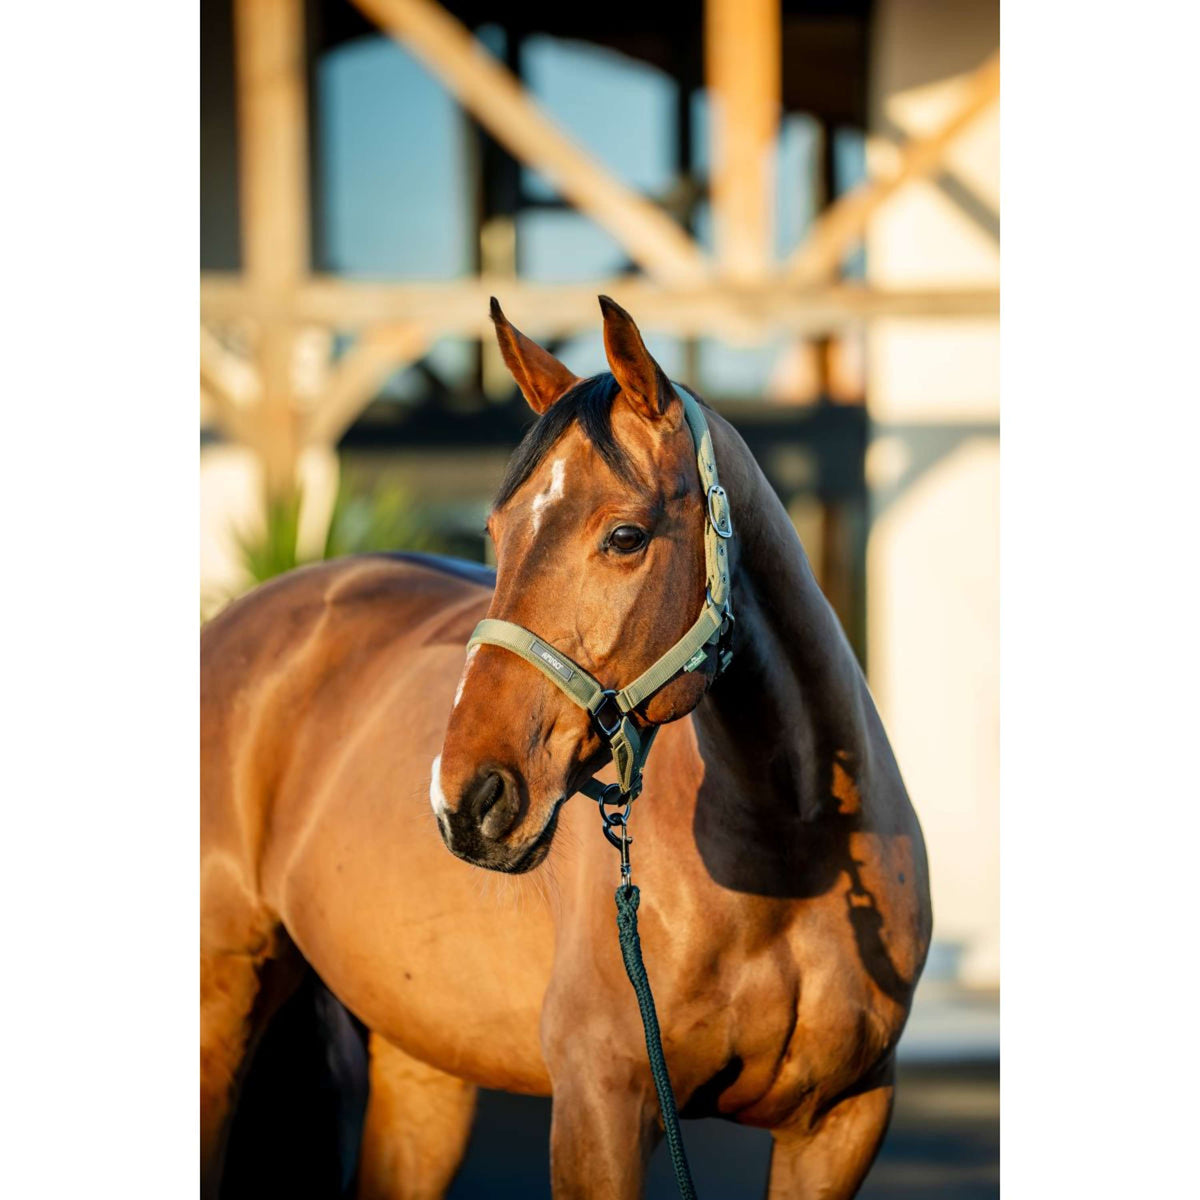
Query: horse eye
[627, 538]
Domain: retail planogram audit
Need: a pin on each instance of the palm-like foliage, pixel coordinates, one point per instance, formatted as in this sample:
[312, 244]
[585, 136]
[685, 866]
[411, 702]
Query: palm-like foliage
[365, 520]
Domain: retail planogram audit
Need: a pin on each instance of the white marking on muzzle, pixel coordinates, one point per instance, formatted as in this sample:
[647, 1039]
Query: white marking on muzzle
[436, 799]
[552, 493]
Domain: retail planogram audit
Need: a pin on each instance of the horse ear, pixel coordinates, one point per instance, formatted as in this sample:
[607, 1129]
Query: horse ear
[540, 376]
[641, 378]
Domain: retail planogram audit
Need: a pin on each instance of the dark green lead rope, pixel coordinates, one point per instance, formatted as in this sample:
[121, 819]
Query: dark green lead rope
[628, 898]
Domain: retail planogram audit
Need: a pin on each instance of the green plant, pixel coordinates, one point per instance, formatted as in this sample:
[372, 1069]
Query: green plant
[380, 518]
[272, 550]
[365, 520]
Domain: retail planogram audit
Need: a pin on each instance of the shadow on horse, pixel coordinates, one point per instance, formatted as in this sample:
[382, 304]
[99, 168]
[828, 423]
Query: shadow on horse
[785, 912]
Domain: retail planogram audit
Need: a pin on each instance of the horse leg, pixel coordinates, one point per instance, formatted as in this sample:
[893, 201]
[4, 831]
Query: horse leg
[416, 1130]
[603, 1129]
[830, 1160]
[239, 993]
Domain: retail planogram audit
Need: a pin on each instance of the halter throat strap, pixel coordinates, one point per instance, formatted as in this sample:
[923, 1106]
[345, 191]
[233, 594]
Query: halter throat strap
[704, 643]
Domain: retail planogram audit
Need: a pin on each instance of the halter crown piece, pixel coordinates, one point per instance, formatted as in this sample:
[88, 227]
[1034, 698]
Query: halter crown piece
[706, 641]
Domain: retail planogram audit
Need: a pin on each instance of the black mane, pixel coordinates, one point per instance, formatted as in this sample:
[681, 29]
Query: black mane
[590, 404]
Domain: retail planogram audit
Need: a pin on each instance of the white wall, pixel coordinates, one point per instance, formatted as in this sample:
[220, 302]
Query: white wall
[231, 482]
[933, 392]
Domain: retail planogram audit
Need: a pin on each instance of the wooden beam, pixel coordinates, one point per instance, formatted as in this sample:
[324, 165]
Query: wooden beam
[844, 223]
[461, 308]
[230, 385]
[226, 296]
[498, 102]
[358, 376]
[218, 407]
[273, 173]
[227, 372]
[743, 67]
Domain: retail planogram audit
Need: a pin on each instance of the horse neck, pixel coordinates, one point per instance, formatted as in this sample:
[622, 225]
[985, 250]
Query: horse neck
[793, 706]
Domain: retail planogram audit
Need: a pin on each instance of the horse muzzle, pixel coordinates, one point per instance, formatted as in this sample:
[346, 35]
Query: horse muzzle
[484, 827]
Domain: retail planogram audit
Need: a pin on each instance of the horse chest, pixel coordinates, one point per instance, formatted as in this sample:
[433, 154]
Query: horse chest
[767, 1032]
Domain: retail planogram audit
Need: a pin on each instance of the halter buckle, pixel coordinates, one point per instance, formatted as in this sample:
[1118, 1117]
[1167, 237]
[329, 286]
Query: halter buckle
[719, 516]
[607, 728]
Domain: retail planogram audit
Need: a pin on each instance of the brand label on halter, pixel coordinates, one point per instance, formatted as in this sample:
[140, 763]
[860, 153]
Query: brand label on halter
[551, 660]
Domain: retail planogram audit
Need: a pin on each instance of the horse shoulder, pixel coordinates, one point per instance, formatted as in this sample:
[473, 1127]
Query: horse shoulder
[289, 648]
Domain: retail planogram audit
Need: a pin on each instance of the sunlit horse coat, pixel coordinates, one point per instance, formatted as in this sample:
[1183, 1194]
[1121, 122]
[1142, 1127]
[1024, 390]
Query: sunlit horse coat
[785, 913]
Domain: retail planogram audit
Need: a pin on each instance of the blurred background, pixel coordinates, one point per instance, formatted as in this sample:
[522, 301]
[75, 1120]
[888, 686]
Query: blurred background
[798, 203]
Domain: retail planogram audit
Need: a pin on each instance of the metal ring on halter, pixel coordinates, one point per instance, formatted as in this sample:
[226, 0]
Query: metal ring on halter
[723, 609]
[611, 795]
[607, 729]
[615, 798]
[721, 522]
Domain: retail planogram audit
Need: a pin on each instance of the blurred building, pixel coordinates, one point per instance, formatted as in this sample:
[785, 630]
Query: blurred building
[933, 466]
[797, 202]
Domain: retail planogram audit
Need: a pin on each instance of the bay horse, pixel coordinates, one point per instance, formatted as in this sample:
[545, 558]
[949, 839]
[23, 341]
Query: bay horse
[785, 912]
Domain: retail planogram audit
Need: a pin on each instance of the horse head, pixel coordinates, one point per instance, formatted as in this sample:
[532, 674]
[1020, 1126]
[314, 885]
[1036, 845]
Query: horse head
[599, 536]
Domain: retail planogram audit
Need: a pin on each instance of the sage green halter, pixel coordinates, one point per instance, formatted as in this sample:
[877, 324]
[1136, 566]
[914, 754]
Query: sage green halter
[704, 643]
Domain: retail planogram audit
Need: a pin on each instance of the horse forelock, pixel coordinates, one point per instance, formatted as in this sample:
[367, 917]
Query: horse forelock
[589, 405]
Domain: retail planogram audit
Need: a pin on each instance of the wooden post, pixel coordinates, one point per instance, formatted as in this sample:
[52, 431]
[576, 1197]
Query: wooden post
[743, 64]
[498, 102]
[273, 169]
[826, 188]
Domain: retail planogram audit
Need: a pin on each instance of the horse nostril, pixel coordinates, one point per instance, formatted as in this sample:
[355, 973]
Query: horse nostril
[493, 802]
[483, 794]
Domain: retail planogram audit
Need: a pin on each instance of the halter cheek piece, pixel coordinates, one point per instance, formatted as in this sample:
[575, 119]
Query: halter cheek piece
[706, 642]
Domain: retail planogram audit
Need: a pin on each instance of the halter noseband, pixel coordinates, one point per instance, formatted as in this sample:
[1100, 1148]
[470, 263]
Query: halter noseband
[610, 709]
